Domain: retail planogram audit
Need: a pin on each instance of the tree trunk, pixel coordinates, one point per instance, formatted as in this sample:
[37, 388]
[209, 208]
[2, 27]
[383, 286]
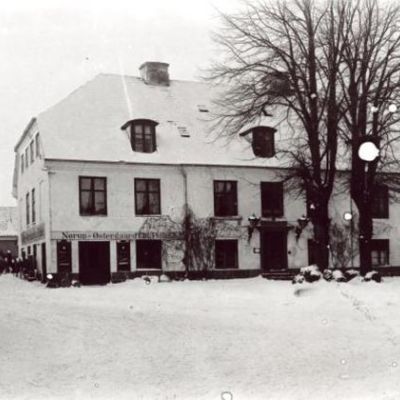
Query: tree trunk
[366, 231]
[321, 223]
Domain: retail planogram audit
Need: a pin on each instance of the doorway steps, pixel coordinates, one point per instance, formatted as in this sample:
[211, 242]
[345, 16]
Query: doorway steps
[280, 275]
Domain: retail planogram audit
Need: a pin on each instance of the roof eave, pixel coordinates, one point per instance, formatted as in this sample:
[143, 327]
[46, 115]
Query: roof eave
[26, 130]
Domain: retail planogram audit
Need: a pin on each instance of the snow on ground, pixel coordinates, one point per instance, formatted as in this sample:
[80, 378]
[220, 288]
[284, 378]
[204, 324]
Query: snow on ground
[254, 338]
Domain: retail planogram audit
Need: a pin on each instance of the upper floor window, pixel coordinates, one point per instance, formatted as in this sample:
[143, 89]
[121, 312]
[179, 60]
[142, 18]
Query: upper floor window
[32, 151]
[142, 134]
[33, 206]
[26, 158]
[225, 198]
[22, 163]
[271, 199]
[147, 197]
[37, 146]
[27, 205]
[92, 195]
[380, 202]
[263, 142]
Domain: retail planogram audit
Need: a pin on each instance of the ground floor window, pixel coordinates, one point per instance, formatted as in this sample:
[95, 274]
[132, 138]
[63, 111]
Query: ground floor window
[148, 254]
[379, 252]
[123, 256]
[226, 254]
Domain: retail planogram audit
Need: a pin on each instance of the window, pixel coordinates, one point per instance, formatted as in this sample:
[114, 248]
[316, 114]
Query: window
[92, 196]
[380, 202]
[27, 209]
[33, 207]
[148, 254]
[272, 199]
[123, 256]
[22, 163]
[31, 151]
[142, 135]
[263, 141]
[37, 146]
[26, 158]
[147, 197]
[225, 198]
[379, 252]
[226, 254]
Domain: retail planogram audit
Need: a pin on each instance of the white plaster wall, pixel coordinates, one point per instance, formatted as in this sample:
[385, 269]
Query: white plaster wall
[35, 176]
[121, 217]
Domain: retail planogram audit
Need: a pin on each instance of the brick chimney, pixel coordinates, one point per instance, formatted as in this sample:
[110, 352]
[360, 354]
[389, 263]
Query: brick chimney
[155, 73]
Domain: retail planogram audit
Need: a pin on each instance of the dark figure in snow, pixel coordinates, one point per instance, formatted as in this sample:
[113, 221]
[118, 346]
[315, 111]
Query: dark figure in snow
[8, 260]
[3, 265]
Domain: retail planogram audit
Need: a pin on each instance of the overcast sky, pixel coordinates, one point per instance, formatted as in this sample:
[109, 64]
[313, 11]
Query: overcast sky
[48, 48]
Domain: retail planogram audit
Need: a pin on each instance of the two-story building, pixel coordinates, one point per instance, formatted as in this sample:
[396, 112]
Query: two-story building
[106, 178]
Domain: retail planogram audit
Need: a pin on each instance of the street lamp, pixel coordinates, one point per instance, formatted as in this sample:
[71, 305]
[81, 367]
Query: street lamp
[253, 222]
[368, 151]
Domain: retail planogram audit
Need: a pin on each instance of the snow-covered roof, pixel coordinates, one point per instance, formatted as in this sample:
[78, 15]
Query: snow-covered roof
[87, 124]
[8, 221]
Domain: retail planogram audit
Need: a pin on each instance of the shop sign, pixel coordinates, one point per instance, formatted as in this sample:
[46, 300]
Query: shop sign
[78, 235]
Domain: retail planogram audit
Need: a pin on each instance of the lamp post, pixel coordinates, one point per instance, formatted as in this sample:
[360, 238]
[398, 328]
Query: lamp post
[368, 151]
[348, 217]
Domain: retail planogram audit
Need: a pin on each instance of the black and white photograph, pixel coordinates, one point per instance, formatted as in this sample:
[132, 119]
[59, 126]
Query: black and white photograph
[200, 200]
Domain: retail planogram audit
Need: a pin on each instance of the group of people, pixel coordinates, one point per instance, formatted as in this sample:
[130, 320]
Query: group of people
[17, 266]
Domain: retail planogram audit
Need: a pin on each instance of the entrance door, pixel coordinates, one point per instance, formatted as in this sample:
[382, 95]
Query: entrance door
[94, 263]
[274, 250]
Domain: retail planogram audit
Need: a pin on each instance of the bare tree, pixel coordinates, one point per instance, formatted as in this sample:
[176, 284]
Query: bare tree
[370, 82]
[281, 56]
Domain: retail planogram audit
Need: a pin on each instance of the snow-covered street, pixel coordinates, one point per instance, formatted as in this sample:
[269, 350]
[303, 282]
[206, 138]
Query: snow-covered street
[254, 338]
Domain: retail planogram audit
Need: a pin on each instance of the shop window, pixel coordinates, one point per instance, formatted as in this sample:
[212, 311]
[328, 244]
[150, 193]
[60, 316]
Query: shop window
[148, 254]
[147, 197]
[64, 256]
[123, 256]
[92, 196]
[379, 252]
[225, 198]
[226, 254]
[380, 202]
[272, 199]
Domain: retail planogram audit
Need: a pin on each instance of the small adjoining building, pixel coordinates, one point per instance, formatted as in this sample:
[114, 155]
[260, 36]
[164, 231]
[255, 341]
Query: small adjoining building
[124, 177]
[9, 231]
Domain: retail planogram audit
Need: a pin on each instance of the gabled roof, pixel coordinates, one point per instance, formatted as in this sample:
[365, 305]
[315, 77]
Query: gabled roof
[87, 124]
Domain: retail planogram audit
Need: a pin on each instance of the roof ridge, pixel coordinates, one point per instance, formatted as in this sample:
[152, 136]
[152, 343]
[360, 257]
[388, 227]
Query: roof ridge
[140, 79]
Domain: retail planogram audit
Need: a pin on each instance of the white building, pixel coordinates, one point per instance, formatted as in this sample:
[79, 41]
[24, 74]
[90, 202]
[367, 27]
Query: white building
[102, 179]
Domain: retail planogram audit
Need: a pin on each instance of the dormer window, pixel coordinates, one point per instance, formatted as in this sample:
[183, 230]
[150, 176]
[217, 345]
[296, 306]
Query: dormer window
[142, 133]
[262, 140]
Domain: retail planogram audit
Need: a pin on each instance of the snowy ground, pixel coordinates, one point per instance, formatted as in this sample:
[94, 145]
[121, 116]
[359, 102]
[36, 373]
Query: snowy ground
[254, 338]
